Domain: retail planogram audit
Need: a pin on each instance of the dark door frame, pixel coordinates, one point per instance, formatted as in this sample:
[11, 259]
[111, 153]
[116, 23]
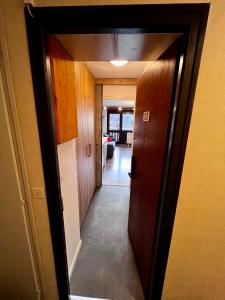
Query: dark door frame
[188, 19]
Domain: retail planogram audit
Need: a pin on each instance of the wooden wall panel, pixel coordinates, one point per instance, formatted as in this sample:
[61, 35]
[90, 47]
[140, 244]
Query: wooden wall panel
[63, 91]
[73, 89]
[85, 97]
[98, 132]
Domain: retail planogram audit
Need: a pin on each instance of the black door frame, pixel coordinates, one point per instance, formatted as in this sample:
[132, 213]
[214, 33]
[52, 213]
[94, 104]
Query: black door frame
[188, 19]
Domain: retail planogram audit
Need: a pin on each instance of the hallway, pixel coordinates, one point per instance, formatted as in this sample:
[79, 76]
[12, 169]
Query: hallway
[116, 170]
[105, 267]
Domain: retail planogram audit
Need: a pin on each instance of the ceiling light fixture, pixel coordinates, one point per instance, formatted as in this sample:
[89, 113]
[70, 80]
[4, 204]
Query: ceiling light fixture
[119, 63]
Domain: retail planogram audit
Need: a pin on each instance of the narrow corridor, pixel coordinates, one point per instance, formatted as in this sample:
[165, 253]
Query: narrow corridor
[105, 267]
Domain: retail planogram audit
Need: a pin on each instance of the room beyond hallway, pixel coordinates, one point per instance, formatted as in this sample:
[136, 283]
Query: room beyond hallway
[116, 169]
[105, 267]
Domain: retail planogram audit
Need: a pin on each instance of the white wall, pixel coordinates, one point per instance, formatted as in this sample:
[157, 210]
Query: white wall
[196, 266]
[119, 92]
[69, 190]
[16, 257]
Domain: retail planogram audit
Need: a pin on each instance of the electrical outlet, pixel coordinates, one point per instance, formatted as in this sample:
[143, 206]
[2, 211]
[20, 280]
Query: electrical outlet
[38, 193]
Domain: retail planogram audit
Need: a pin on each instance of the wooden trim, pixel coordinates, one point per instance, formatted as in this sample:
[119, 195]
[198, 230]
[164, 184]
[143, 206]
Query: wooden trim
[116, 81]
[98, 131]
[188, 19]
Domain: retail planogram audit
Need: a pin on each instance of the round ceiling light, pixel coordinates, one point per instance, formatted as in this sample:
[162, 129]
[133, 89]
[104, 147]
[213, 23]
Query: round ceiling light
[119, 63]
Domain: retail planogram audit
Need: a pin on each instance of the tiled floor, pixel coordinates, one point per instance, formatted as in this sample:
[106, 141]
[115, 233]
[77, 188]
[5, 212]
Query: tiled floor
[116, 170]
[105, 267]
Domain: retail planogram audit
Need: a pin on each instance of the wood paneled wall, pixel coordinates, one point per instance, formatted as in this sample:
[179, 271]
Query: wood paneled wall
[73, 89]
[85, 98]
[98, 132]
[63, 91]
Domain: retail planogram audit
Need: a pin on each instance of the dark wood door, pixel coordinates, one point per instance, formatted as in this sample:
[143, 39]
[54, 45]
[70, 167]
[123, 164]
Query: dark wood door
[154, 91]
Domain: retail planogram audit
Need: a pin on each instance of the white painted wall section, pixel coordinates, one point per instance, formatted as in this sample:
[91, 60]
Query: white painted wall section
[69, 190]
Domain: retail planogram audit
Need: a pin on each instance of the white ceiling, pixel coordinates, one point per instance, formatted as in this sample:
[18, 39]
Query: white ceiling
[122, 103]
[104, 69]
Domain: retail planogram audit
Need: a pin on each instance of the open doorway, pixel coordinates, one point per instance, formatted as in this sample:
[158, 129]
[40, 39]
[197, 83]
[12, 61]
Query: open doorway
[107, 241]
[151, 251]
[104, 213]
[117, 133]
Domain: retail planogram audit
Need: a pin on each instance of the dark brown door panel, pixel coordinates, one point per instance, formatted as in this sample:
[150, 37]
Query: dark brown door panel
[154, 91]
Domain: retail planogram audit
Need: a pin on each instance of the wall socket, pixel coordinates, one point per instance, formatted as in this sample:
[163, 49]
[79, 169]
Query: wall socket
[38, 193]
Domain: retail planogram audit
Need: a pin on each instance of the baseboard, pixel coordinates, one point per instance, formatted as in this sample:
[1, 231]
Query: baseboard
[75, 259]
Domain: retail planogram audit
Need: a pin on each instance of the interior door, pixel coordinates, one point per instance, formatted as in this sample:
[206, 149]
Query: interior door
[85, 97]
[91, 138]
[153, 104]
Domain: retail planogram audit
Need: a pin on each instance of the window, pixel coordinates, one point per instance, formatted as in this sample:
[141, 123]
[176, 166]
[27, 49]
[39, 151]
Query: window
[128, 121]
[114, 121]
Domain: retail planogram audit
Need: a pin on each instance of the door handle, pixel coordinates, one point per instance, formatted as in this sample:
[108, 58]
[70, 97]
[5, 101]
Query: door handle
[132, 171]
[88, 150]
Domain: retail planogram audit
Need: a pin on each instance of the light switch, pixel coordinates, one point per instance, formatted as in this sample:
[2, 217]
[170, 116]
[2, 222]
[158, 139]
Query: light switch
[38, 193]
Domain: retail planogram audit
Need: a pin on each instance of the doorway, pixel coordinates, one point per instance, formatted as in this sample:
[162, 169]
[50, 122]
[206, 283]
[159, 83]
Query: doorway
[190, 22]
[117, 133]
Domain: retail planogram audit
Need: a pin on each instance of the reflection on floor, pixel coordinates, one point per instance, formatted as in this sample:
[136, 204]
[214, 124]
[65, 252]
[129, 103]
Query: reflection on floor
[105, 267]
[116, 170]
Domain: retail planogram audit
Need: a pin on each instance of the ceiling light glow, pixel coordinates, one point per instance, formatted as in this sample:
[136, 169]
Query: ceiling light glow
[119, 63]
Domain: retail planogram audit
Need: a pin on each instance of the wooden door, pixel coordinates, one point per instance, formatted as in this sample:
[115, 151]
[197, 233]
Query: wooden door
[90, 123]
[154, 91]
[85, 97]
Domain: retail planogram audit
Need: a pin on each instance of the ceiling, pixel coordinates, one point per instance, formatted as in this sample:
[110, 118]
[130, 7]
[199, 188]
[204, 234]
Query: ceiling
[106, 47]
[98, 49]
[115, 103]
[104, 69]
